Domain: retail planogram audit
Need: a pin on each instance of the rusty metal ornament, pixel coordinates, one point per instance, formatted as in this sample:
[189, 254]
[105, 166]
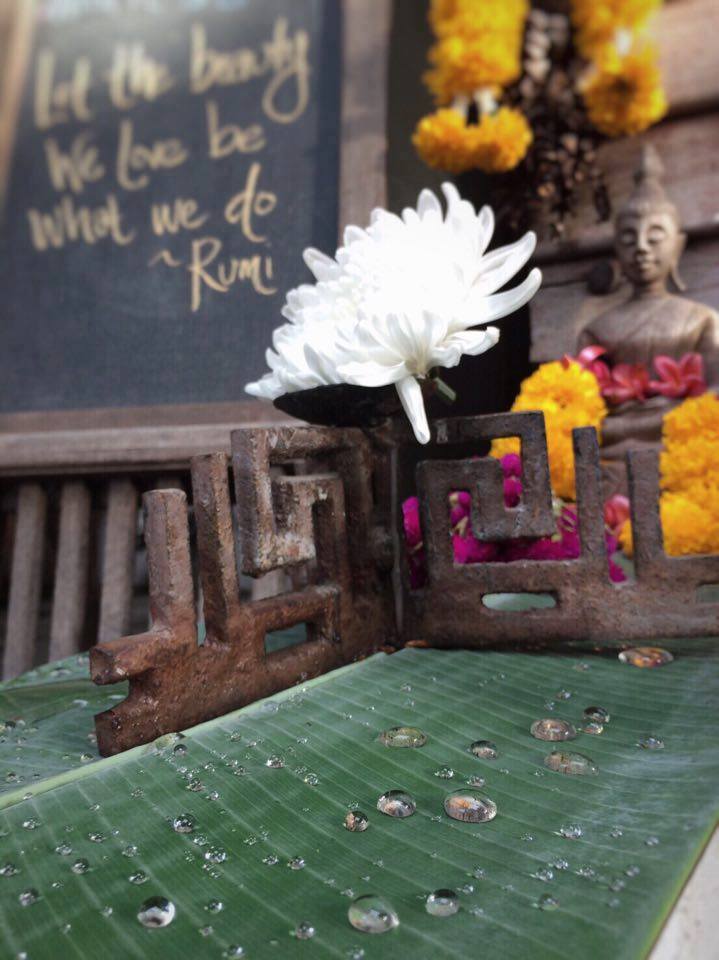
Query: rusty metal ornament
[340, 526]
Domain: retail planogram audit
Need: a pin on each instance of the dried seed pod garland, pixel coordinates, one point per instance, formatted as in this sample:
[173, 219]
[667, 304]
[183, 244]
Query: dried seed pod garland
[528, 96]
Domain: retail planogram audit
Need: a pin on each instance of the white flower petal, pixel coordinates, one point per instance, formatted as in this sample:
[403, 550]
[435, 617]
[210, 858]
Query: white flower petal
[369, 374]
[502, 304]
[410, 393]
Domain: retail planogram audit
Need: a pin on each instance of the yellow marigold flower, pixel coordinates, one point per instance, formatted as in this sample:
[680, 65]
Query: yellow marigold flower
[625, 94]
[475, 17]
[689, 466]
[496, 144]
[597, 21]
[444, 140]
[696, 415]
[501, 140]
[569, 397]
[462, 65]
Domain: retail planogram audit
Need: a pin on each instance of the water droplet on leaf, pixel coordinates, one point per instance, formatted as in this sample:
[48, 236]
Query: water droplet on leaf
[371, 914]
[403, 737]
[185, 823]
[304, 930]
[484, 749]
[80, 866]
[547, 902]
[571, 831]
[597, 714]
[156, 912]
[552, 728]
[651, 743]
[646, 657]
[469, 806]
[442, 903]
[396, 803]
[28, 897]
[356, 821]
[572, 764]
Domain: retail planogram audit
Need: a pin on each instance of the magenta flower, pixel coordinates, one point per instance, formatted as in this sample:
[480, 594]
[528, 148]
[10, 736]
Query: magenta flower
[630, 381]
[679, 378]
[616, 512]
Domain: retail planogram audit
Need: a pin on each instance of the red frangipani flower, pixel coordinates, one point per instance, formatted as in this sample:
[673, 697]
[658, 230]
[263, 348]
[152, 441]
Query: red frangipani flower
[679, 378]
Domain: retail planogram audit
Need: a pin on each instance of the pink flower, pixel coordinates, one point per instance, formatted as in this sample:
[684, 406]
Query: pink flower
[468, 549]
[410, 519]
[679, 378]
[588, 359]
[512, 491]
[616, 512]
[511, 465]
[460, 510]
[629, 381]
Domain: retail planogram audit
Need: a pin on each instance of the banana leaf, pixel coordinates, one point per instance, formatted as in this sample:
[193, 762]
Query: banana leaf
[250, 855]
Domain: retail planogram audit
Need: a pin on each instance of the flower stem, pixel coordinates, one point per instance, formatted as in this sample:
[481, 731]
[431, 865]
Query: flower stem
[442, 390]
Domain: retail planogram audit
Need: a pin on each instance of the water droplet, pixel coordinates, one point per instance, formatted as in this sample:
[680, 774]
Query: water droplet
[180, 749]
[616, 832]
[106, 911]
[274, 762]
[476, 781]
[371, 914]
[469, 806]
[271, 859]
[617, 884]
[442, 903]
[156, 912]
[130, 850]
[137, 877]
[214, 906]
[651, 743]
[544, 874]
[28, 897]
[80, 866]
[206, 931]
[586, 871]
[185, 823]
[215, 855]
[595, 729]
[444, 773]
[563, 695]
[547, 902]
[304, 930]
[356, 821]
[233, 952]
[403, 737]
[646, 657]
[632, 870]
[8, 870]
[63, 849]
[571, 831]
[560, 864]
[552, 728]
[652, 841]
[96, 837]
[311, 779]
[355, 953]
[30, 824]
[396, 803]
[484, 749]
[573, 764]
[296, 863]
[598, 714]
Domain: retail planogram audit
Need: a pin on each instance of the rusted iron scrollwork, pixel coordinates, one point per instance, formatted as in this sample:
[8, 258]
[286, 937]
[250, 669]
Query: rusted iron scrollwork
[334, 527]
[331, 525]
[662, 601]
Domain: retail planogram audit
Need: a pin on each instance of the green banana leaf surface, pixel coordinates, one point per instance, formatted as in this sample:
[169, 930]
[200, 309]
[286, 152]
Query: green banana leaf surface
[253, 859]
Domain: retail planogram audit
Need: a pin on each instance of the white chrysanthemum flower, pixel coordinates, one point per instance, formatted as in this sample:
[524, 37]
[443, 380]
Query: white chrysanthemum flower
[399, 299]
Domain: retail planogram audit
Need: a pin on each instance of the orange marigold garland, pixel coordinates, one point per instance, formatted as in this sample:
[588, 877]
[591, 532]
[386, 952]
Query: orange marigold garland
[689, 467]
[477, 53]
[623, 91]
[568, 396]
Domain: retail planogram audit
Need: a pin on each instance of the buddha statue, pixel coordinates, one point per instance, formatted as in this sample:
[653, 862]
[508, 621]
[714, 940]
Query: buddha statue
[652, 321]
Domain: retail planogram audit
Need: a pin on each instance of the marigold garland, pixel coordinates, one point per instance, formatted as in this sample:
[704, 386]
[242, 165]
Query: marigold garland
[569, 397]
[689, 468]
[477, 52]
[496, 144]
[596, 22]
[624, 95]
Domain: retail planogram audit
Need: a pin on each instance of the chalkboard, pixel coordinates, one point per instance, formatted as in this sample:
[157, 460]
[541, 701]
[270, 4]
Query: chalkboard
[172, 160]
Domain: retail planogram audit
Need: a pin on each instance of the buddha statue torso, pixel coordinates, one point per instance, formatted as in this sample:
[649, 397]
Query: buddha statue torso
[651, 322]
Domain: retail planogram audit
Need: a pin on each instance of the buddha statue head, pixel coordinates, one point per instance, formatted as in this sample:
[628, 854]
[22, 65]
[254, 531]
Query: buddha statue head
[648, 237]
